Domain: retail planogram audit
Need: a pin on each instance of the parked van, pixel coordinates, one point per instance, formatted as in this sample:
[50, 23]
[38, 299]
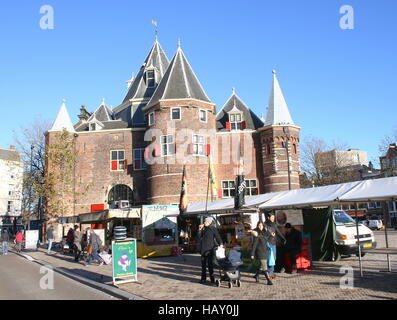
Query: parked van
[346, 235]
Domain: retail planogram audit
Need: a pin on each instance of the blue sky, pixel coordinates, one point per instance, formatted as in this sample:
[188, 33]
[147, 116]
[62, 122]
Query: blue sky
[339, 84]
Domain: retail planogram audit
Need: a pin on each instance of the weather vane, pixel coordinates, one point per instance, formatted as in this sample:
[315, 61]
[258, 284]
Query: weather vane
[154, 22]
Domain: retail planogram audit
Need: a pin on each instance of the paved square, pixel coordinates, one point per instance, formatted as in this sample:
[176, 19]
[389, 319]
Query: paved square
[176, 278]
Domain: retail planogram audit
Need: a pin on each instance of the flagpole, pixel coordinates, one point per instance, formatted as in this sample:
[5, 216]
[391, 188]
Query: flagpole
[208, 185]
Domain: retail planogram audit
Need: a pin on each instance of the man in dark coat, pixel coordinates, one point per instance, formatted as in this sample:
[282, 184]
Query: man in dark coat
[208, 235]
[293, 245]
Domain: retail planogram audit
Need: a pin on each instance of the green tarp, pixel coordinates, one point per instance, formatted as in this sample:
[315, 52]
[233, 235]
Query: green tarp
[319, 223]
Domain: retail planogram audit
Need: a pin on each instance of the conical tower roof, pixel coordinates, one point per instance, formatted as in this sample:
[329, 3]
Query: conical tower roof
[156, 59]
[179, 82]
[62, 120]
[277, 113]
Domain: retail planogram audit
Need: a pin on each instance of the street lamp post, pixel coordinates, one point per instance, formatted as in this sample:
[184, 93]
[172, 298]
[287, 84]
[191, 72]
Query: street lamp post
[30, 184]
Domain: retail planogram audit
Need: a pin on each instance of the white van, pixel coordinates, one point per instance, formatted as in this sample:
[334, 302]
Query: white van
[346, 235]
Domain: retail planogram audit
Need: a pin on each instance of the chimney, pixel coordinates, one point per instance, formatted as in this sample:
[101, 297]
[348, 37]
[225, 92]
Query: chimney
[12, 148]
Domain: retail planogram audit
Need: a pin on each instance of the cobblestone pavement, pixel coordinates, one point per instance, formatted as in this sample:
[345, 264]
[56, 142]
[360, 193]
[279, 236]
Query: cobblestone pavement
[176, 278]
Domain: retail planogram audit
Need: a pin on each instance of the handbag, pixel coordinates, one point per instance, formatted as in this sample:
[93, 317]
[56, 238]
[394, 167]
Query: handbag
[89, 249]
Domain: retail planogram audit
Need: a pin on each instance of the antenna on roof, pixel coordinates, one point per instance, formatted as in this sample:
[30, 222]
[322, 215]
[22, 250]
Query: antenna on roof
[103, 101]
[179, 42]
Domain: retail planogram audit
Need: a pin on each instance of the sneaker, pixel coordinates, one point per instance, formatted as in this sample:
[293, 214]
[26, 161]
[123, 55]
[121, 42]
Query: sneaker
[203, 281]
[101, 264]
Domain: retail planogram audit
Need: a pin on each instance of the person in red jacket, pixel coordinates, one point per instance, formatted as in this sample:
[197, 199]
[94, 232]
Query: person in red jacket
[19, 238]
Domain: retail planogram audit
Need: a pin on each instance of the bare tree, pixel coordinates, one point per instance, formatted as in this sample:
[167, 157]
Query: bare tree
[322, 164]
[387, 140]
[30, 142]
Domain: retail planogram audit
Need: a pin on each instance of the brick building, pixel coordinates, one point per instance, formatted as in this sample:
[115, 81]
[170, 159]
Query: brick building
[134, 154]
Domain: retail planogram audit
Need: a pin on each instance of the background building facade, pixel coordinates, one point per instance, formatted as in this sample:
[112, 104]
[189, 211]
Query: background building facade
[135, 153]
[11, 177]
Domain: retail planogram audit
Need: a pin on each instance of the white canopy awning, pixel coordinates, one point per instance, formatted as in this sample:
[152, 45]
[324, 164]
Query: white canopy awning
[372, 190]
[359, 191]
[214, 206]
[319, 196]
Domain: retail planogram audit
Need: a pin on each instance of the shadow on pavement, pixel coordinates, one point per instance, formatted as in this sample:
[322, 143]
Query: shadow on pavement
[98, 277]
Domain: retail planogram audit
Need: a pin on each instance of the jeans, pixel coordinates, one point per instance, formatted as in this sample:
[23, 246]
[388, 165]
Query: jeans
[5, 247]
[50, 241]
[279, 258]
[207, 258]
[77, 252]
[94, 256]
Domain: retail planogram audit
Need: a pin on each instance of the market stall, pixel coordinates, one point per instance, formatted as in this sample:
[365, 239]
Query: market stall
[159, 231]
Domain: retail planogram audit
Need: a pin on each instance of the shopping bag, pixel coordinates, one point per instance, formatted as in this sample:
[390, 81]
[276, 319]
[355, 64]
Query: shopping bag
[271, 261]
[106, 257]
[220, 253]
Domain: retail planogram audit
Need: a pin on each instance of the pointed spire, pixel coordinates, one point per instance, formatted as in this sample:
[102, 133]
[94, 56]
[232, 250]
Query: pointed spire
[179, 82]
[62, 120]
[277, 111]
[156, 58]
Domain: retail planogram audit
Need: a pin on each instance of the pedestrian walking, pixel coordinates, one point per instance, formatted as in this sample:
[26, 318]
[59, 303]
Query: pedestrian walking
[70, 240]
[77, 243]
[50, 238]
[293, 245]
[5, 238]
[94, 244]
[19, 239]
[260, 252]
[277, 238]
[208, 234]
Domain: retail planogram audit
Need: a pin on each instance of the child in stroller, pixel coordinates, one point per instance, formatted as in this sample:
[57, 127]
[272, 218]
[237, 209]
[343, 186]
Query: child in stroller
[228, 266]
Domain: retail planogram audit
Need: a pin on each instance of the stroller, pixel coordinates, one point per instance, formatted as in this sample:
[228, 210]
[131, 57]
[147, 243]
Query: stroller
[228, 267]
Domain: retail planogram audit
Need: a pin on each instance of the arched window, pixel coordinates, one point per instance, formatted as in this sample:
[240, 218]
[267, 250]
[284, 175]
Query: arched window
[294, 148]
[120, 192]
[268, 149]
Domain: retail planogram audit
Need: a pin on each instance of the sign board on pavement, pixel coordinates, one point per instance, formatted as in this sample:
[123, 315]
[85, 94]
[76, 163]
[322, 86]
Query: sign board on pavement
[124, 261]
[31, 239]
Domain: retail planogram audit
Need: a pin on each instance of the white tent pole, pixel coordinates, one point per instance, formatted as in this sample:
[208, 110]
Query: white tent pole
[358, 241]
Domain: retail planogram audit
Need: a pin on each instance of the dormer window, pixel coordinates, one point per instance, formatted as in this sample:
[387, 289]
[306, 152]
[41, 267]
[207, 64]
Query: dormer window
[150, 78]
[92, 126]
[236, 120]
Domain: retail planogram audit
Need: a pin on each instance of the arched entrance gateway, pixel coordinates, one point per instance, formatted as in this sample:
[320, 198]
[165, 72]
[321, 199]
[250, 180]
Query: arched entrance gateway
[120, 196]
